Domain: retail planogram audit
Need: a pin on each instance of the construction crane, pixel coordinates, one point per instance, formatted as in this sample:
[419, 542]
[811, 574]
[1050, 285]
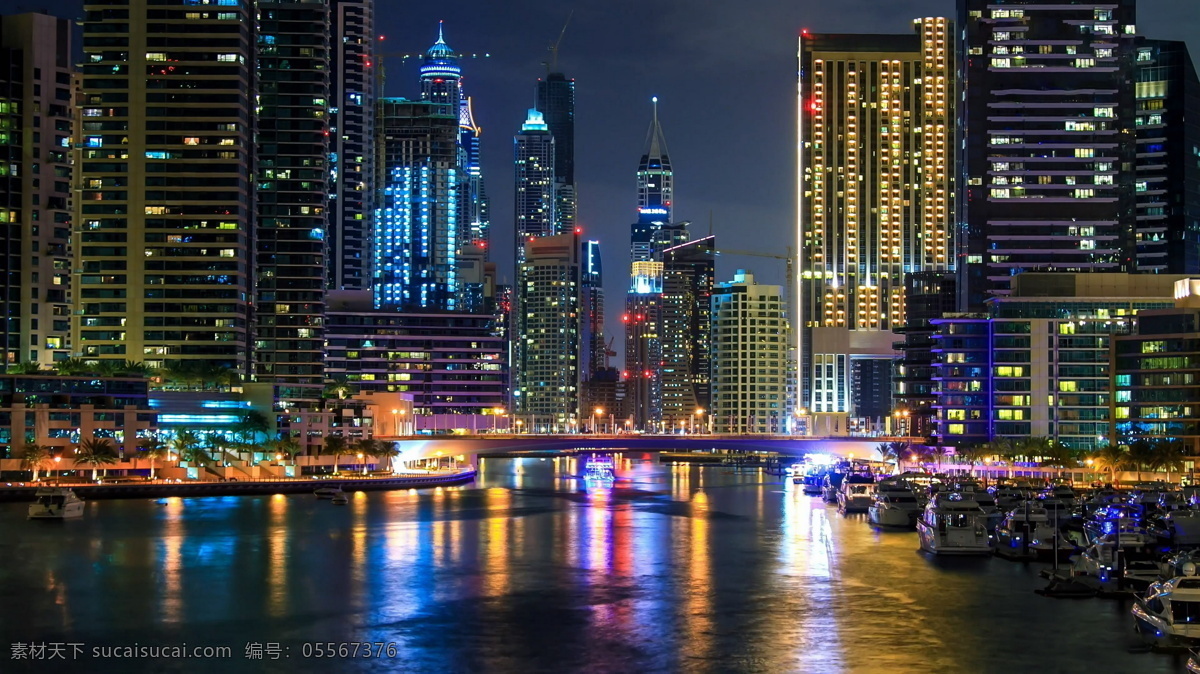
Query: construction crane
[552, 64]
[790, 273]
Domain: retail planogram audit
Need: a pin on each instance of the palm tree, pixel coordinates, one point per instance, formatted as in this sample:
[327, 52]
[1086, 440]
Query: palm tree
[972, 455]
[1141, 455]
[1110, 458]
[73, 366]
[25, 367]
[96, 452]
[922, 454]
[251, 425]
[337, 387]
[366, 447]
[187, 445]
[1169, 456]
[386, 451]
[153, 450]
[35, 457]
[1057, 454]
[288, 446]
[891, 452]
[335, 445]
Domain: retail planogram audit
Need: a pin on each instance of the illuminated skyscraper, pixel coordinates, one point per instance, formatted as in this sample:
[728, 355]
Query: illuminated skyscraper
[36, 124]
[167, 203]
[592, 356]
[749, 357]
[352, 94]
[417, 233]
[534, 197]
[441, 76]
[545, 369]
[688, 274]
[876, 195]
[556, 102]
[292, 149]
[475, 209]
[649, 236]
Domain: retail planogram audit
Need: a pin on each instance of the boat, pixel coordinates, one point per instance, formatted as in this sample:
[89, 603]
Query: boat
[598, 469]
[953, 524]
[1031, 528]
[1007, 496]
[856, 494]
[327, 492]
[1059, 501]
[1124, 518]
[1193, 663]
[1177, 528]
[340, 498]
[58, 503]
[894, 508]
[987, 503]
[812, 482]
[1168, 613]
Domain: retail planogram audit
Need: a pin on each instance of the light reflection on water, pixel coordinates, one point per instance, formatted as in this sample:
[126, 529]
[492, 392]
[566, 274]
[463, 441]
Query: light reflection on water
[676, 568]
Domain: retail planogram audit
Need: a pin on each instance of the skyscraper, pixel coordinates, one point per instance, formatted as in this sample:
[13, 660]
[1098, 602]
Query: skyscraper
[688, 275]
[556, 102]
[417, 237]
[749, 357]
[36, 125]
[593, 355]
[876, 190]
[1047, 141]
[534, 204]
[167, 200]
[545, 369]
[441, 76]
[293, 64]
[352, 94]
[649, 237]
[476, 209]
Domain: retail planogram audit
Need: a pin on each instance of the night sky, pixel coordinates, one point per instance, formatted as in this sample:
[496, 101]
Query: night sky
[724, 73]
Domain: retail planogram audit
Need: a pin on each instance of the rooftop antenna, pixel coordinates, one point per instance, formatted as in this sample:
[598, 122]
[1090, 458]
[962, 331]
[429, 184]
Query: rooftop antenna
[552, 64]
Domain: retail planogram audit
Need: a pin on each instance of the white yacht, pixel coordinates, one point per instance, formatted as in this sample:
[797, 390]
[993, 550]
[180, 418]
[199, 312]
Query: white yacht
[1168, 614]
[953, 524]
[1007, 496]
[894, 508]
[55, 504]
[987, 503]
[1031, 526]
[855, 497]
[340, 498]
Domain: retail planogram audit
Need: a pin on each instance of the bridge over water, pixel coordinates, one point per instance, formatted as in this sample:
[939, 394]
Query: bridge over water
[413, 448]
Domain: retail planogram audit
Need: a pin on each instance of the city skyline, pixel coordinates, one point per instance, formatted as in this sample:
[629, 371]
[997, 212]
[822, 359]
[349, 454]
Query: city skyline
[708, 52]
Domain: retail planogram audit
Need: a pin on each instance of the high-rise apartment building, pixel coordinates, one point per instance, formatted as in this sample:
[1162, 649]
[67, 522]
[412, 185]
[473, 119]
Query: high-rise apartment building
[876, 183]
[749, 357]
[1047, 142]
[352, 94]
[166, 202]
[292, 188]
[475, 208]
[533, 201]
[593, 355]
[546, 357]
[37, 120]
[689, 271]
[417, 234]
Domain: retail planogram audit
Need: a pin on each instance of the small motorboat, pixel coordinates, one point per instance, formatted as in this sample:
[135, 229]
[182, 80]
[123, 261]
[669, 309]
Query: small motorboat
[894, 508]
[340, 498]
[55, 504]
[328, 492]
[599, 469]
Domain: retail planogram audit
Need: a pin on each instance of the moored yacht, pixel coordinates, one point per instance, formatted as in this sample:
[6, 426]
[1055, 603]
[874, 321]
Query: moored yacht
[855, 495]
[894, 508]
[831, 485]
[1168, 614]
[953, 524]
[55, 504]
[327, 492]
[1030, 526]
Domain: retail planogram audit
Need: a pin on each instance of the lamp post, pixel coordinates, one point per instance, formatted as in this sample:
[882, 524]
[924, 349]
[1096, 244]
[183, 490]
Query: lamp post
[496, 412]
[699, 414]
[395, 422]
[682, 427]
[595, 413]
[362, 463]
[518, 423]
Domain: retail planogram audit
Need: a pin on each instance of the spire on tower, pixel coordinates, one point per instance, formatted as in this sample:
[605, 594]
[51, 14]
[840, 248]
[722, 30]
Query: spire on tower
[656, 143]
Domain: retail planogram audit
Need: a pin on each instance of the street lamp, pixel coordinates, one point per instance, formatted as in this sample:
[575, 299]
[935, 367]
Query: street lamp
[699, 414]
[362, 463]
[595, 413]
[496, 413]
[518, 423]
[395, 422]
[682, 427]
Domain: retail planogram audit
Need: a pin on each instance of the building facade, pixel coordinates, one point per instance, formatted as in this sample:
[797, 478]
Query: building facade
[546, 351]
[533, 200]
[166, 206]
[876, 183]
[689, 272]
[749, 357]
[594, 355]
[556, 101]
[37, 122]
[352, 173]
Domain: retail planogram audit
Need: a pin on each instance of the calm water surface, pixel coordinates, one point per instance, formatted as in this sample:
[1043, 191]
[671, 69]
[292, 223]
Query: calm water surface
[679, 568]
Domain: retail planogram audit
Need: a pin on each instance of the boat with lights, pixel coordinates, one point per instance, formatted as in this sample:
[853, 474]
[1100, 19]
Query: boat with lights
[953, 524]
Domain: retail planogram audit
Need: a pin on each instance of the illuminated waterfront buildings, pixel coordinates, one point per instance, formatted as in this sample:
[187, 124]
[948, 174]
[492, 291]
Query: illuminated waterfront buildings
[749, 357]
[556, 102]
[876, 115]
[533, 200]
[593, 355]
[37, 124]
